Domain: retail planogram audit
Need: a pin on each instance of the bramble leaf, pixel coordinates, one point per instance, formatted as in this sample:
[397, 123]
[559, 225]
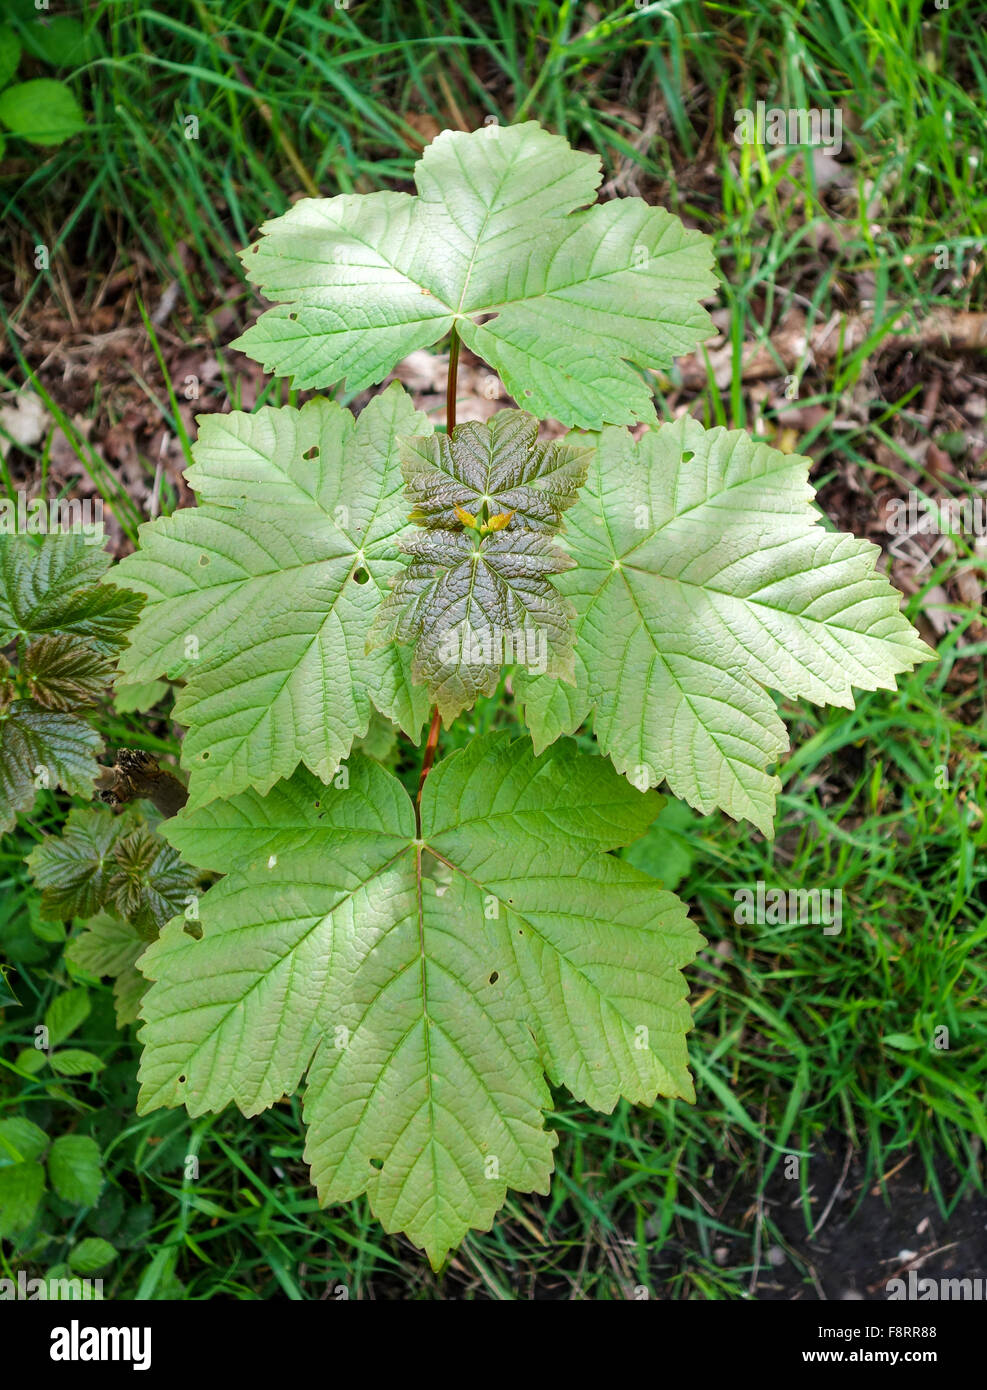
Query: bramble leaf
[472, 606]
[702, 577]
[492, 469]
[558, 301]
[22, 1186]
[262, 596]
[75, 1166]
[43, 111]
[425, 980]
[21, 1141]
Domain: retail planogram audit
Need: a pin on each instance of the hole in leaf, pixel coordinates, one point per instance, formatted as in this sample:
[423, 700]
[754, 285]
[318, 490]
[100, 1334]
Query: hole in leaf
[494, 977]
[203, 559]
[293, 317]
[527, 393]
[318, 804]
[361, 575]
[377, 1163]
[182, 1080]
[312, 453]
[205, 755]
[255, 249]
[688, 456]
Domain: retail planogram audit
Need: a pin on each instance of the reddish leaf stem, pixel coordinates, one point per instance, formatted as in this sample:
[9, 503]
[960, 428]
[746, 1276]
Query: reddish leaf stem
[432, 742]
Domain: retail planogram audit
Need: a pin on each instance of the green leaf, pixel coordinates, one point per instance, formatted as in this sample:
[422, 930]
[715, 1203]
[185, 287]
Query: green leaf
[129, 698]
[7, 995]
[63, 672]
[424, 980]
[57, 40]
[74, 1061]
[31, 1060]
[73, 869]
[664, 851]
[274, 580]
[42, 748]
[51, 583]
[91, 1254]
[110, 947]
[473, 606]
[105, 946]
[43, 111]
[701, 578]
[8, 689]
[75, 1168]
[105, 861]
[495, 468]
[128, 992]
[380, 741]
[22, 1185]
[10, 54]
[20, 1141]
[559, 302]
[65, 1014]
[148, 883]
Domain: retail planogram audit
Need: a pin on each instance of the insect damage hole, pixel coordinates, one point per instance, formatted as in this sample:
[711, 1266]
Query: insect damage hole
[361, 575]
[494, 977]
[312, 453]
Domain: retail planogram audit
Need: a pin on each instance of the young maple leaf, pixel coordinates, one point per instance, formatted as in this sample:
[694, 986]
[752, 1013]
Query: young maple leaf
[498, 471]
[473, 605]
[51, 597]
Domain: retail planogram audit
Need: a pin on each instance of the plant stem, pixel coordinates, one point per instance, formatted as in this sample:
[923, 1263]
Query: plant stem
[136, 775]
[432, 742]
[452, 382]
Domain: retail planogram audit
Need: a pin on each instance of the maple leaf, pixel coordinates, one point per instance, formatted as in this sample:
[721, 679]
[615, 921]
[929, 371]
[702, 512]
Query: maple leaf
[53, 604]
[109, 946]
[490, 470]
[104, 861]
[558, 301]
[701, 578]
[473, 605]
[42, 748]
[64, 673]
[51, 583]
[263, 594]
[425, 977]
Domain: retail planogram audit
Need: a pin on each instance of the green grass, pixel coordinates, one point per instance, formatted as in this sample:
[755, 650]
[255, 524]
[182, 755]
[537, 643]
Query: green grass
[799, 1036]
